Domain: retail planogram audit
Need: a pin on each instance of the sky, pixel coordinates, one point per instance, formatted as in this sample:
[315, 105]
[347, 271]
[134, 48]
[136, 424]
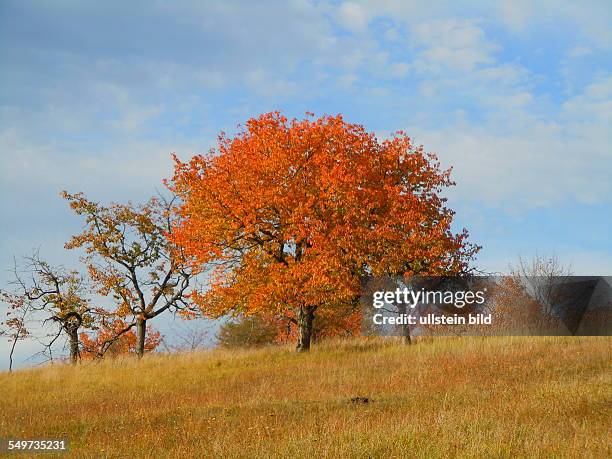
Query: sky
[515, 95]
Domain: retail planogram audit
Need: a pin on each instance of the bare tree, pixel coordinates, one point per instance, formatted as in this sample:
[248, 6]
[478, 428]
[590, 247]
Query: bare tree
[57, 295]
[190, 336]
[14, 328]
[529, 299]
[542, 277]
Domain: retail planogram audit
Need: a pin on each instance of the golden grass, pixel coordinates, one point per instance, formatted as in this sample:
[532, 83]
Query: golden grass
[484, 397]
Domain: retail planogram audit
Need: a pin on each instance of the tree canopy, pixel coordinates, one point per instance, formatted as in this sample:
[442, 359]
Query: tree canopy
[129, 257]
[291, 214]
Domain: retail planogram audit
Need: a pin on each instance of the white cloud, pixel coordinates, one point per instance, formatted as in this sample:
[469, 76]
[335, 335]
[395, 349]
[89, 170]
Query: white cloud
[353, 16]
[270, 84]
[379, 92]
[130, 168]
[392, 34]
[595, 104]
[347, 81]
[520, 161]
[579, 51]
[590, 21]
[399, 69]
[451, 44]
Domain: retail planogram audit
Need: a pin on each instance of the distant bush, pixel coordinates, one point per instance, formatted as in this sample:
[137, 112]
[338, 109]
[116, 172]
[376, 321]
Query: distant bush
[247, 331]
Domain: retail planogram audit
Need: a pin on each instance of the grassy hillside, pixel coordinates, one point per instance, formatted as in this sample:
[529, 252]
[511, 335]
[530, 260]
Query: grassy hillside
[500, 397]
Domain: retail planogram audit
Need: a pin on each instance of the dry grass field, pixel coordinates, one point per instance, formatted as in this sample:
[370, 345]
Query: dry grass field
[466, 397]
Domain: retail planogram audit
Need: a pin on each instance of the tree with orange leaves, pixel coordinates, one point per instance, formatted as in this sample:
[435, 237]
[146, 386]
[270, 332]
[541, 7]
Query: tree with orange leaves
[129, 257]
[110, 339]
[290, 215]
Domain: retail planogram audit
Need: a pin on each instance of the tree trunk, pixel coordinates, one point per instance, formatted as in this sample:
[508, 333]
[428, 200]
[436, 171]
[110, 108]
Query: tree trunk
[16, 337]
[73, 338]
[141, 333]
[305, 319]
[402, 309]
[71, 323]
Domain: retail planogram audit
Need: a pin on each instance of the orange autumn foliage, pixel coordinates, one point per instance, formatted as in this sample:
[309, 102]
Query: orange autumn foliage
[109, 340]
[291, 215]
[130, 258]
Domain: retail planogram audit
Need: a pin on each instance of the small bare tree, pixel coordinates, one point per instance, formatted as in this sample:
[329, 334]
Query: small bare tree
[13, 327]
[542, 276]
[527, 300]
[52, 292]
[190, 336]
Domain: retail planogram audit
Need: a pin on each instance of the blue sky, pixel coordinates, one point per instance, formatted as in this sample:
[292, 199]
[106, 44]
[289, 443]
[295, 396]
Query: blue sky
[515, 95]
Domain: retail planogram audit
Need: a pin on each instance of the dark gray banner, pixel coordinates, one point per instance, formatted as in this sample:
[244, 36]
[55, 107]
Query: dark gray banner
[487, 306]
